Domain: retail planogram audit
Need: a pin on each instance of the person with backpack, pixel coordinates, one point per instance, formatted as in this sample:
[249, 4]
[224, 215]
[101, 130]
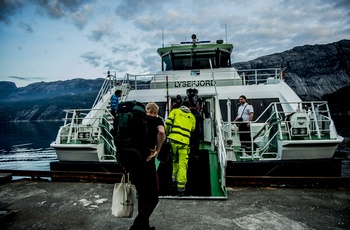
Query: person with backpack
[179, 126]
[115, 101]
[137, 156]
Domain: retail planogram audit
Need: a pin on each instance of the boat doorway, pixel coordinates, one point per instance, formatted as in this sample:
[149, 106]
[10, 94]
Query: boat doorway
[206, 172]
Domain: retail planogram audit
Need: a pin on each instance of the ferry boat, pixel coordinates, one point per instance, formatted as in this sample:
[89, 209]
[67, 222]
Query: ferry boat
[284, 128]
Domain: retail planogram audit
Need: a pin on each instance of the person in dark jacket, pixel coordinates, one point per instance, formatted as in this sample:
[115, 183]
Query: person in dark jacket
[144, 174]
[115, 102]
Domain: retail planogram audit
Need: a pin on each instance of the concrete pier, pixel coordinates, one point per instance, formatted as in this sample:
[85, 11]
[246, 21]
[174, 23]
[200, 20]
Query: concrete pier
[37, 204]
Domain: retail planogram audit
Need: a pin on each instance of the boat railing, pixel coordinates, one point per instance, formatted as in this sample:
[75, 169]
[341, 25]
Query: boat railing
[220, 142]
[261, 76]
[230, 76]
[310, 121]
[79, 127]
[109, 83]
[108, 138]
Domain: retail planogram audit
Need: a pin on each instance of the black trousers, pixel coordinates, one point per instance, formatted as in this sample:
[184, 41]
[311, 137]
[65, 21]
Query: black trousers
[244, 135]
[147, 186]
[145, 178]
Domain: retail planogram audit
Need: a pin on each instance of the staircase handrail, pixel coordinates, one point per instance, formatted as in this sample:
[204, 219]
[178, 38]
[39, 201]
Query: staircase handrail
[108, 84]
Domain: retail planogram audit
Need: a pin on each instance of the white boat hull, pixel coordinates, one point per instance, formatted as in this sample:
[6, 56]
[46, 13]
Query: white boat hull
[300, 150]
[78, 152]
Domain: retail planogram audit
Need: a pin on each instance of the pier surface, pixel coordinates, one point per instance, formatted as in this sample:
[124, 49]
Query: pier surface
[38, 204]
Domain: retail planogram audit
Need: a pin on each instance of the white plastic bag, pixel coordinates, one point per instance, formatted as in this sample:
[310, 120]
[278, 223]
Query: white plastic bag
[124, 198]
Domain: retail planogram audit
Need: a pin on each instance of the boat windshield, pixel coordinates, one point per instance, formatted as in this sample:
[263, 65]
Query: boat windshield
[195, 60]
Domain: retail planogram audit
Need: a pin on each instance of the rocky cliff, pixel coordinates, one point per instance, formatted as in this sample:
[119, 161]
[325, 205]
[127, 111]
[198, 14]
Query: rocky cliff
[46, 100]
[315, 70]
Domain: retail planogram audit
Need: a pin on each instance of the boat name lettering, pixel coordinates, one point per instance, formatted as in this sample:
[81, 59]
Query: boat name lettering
[193, 83]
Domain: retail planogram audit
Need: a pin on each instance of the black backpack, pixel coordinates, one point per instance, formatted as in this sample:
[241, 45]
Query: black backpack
[192, 97]
[130, 126]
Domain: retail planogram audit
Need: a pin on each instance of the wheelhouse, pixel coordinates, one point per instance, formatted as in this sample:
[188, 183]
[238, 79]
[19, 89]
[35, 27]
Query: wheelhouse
[195, 55]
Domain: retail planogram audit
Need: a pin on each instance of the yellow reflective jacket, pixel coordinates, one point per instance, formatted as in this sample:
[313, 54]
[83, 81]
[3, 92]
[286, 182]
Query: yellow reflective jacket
[179, 125]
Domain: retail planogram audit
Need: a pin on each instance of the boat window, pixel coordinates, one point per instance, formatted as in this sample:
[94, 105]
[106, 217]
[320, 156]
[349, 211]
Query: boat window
[196, 60]
[166, 61]
[182, 61]
[225, 60]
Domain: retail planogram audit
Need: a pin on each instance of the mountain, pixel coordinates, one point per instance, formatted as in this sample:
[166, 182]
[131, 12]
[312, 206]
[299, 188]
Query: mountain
[46, 100]
[6, 88]
[316, 72]
[50, 90]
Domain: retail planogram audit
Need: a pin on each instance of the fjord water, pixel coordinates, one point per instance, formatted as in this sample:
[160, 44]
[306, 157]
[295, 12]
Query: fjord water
[26, 145]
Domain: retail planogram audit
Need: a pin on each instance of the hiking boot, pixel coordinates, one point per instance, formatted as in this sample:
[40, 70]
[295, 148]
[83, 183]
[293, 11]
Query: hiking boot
[181, 191]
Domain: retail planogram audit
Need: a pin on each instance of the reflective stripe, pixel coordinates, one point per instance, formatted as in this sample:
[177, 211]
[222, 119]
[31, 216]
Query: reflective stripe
[180, 124]
[181, 185]
[182, 128]
[186, 135]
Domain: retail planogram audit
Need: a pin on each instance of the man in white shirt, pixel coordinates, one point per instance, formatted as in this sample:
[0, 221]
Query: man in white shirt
[245, 115]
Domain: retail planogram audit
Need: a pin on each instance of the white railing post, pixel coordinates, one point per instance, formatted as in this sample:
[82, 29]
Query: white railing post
[316, 123]
[229, 118]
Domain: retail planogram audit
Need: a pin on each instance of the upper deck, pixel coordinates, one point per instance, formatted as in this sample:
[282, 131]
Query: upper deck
[196, 55]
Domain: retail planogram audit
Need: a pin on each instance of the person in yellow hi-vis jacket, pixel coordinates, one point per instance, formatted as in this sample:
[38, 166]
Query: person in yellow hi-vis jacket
[178, 127]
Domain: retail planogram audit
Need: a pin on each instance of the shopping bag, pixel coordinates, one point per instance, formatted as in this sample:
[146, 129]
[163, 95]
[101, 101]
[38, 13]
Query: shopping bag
[124, 198]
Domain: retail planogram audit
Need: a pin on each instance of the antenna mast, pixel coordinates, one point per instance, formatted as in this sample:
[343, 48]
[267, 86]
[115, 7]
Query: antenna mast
[226, 33]
[163, 37]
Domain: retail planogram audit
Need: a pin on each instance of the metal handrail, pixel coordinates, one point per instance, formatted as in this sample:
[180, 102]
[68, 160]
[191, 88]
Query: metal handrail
[261, 76]
[319, 123]
[221, 143]
[108, 84]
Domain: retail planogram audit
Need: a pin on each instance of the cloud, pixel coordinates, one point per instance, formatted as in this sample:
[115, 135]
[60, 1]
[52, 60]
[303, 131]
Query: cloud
[57, 9]
[27, 78]
[150, 60]
[17, 77]
[120, 66]
[26, 27]
[80, 18]
[76, 10]
[103, 29]
[92, 58]
[9, 8]
[131, 9]
[124, 49]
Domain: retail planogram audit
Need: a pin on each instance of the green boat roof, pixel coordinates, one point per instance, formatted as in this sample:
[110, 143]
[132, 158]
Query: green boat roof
[195, 47]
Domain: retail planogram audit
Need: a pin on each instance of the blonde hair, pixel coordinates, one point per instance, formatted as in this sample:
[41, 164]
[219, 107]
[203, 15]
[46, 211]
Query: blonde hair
[151, 106]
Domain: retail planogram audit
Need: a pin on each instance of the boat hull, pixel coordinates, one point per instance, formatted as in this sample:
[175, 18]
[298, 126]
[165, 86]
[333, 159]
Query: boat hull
[302, 150]
[78, 152]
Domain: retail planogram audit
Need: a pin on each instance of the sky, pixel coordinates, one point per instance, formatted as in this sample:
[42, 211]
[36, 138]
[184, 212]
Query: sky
[51, 40]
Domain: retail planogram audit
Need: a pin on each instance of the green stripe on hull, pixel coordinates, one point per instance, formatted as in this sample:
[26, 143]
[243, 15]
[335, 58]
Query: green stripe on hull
[215, 172]
[215, 175]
